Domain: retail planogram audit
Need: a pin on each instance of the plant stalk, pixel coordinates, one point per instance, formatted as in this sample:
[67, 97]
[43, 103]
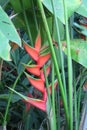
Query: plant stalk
[69, 68]
[53, 99]
[54, 58]
[27, 24]
[9, 100]
[60, 47]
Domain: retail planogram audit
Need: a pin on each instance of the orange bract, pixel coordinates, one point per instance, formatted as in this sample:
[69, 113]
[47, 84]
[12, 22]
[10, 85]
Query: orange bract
[38, 43]
[37, 83]
[43, 59]
[37, 71]
[37, 103]
[31, 51]
[33, 69]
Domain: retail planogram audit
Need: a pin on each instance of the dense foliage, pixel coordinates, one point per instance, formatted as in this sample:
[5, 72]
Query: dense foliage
[43, 61]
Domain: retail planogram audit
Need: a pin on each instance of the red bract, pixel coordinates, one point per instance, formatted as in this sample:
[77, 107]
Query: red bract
[28, 105]
[31, 51]
[38, 43]
[37, 83]
[42, 73]
[43, 59]
[36, 70]
[41, 104]
[33, 69]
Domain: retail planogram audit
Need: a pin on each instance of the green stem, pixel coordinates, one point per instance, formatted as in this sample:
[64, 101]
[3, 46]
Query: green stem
[54, 58]
[69, 69]
[53, 99]
[47, 86]
[9, 100]
[58, 109]
[27, 24]
[34, 14]
[75, 98]
[60, 47]
[79, 100]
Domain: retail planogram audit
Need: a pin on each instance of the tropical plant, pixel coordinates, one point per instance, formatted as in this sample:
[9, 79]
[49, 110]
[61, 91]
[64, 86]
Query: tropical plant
[61, 46]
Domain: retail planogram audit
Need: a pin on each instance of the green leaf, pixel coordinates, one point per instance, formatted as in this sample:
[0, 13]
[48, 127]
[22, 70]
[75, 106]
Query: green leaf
[82, 10]
[19, 94]
[4, 2]
[78, 51]
[81, 29]
[17, 5]
[71, 7]
[4, 47]
[8, 29]
[7, 33]
[14, 99]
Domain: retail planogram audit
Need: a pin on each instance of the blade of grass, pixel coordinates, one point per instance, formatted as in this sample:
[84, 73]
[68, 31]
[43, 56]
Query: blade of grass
[54, 58]
[58, 109]
[69, 68]
[75, 98]
[53, 99]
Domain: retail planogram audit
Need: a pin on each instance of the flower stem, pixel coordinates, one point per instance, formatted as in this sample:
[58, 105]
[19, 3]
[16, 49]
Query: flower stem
[54, 58]
[34, 14]
[27, 23]
[53, 99]
[69, 68]
[60, 47]
[9, 100]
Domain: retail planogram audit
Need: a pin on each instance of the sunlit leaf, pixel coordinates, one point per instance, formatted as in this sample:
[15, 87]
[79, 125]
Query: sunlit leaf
[7, 33]
[82, 10]
[78, 51]
[58, 4]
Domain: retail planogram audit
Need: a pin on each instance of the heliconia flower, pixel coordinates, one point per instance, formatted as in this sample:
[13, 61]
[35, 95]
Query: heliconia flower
[43, 59]
[31, 51]
[41, 104]
[38, 43]
[42, 73]
[37, 83]
[55, 85]
[33, 69]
